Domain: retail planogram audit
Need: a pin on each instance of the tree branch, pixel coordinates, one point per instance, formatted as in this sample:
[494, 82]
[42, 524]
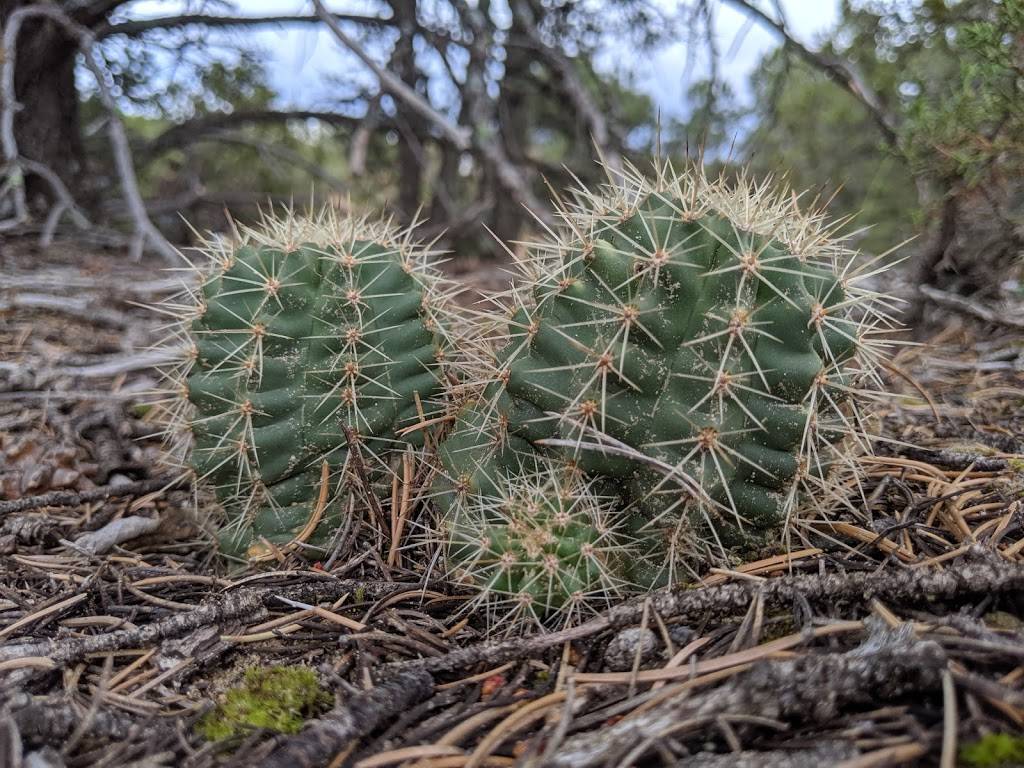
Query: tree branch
[457, 135]
[838, 70]
[570, 83]
[136, 27]
[189, 131]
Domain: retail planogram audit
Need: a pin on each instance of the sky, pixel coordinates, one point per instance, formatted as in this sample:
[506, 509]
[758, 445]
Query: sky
[301, 58]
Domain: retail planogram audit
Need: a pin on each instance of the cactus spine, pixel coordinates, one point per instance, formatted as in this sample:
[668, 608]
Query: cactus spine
[305, 334]
[700, 348]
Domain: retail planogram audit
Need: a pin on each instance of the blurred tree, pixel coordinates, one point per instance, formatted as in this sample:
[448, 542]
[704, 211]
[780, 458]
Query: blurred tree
[941, 83]
[460, 111]
[821, 140]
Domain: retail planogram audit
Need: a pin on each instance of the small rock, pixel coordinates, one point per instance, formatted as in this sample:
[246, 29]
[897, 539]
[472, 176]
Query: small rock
[681, 634]
[620, 655]
[47, 757]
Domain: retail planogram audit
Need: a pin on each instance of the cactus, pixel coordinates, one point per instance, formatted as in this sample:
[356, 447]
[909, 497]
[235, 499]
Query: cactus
[699, 347]
[548, 545]
[305, 333]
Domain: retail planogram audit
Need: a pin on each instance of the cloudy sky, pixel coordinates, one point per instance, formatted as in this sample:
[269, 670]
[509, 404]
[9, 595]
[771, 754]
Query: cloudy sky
[300, 58]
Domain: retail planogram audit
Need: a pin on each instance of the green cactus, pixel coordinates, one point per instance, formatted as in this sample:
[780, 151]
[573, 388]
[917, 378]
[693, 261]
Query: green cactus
[548, 545]
[305, 333]
[699, 347]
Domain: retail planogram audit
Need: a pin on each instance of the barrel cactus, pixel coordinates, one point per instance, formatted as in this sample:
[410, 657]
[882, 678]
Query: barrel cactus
[306, 333]
[546, 548]
[695, 347]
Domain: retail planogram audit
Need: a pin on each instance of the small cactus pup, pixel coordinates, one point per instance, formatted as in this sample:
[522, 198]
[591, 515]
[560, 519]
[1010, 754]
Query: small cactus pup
[547, 549]
[702, 346]
[305, 333]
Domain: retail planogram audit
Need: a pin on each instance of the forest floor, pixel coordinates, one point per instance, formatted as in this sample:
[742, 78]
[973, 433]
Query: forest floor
[890, 637]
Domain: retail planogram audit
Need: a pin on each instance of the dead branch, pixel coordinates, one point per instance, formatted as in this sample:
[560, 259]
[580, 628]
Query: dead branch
[75, 498]
[144, 228]
[811, 688]
[65, 203]
[898, 587]
[829, 753]
[252, 604]
[838, 70]
[971, 308]
[457, 135]
[113, 533]
[53, 719]
[136, 27]
[355, 718]
[290, 158]
[948, 459]
[190, 130]
[569, 81]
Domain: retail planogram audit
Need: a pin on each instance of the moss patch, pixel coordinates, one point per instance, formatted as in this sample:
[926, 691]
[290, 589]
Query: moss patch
[994, 749]
[279, 699]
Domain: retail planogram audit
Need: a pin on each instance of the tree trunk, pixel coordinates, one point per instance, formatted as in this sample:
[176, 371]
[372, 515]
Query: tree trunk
[410, 164]
[46, 128]
[978, 241]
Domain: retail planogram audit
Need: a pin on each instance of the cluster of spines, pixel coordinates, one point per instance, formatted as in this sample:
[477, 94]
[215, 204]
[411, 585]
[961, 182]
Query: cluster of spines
[284, 336]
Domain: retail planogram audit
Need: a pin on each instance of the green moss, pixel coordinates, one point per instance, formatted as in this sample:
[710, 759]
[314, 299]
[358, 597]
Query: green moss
[279, 699]
[1002, 620]
[993, 749]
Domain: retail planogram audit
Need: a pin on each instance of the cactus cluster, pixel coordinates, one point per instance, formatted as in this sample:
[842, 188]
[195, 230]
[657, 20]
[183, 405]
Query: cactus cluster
[698, 347]
[672, 374]
[547, 545]
[305, 333]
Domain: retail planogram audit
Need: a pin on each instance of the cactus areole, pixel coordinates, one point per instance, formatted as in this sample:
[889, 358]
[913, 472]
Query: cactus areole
[699, 347]
[306, 335]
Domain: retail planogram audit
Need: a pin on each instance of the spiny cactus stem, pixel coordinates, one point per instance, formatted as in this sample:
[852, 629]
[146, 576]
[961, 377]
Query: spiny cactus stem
[274, 552]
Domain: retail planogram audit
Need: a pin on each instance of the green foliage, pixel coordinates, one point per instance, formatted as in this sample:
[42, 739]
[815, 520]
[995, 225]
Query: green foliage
[279, 699]
[306, 333]
[838, 156]
[695, 348]
[960, 127]
[992, 751]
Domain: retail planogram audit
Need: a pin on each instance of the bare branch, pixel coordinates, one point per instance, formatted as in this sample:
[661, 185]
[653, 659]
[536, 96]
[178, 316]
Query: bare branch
[14, 176]
[293, 159]
[974, 309]
[841, 71]
[65, 202]
[191, 130]
[573, 87]
[457, 135]
[139, 26]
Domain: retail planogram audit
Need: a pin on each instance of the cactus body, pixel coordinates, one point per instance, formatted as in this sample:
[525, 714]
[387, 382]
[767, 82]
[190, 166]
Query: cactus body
[548, 545]
[699, 348]
[306, 334]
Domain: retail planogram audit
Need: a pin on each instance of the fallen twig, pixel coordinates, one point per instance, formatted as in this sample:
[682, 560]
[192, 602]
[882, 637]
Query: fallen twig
[252, 604]
[811, 688]
[113, 533]
[74, 498]
[968, 307]
[899, 587]
[356, 717]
